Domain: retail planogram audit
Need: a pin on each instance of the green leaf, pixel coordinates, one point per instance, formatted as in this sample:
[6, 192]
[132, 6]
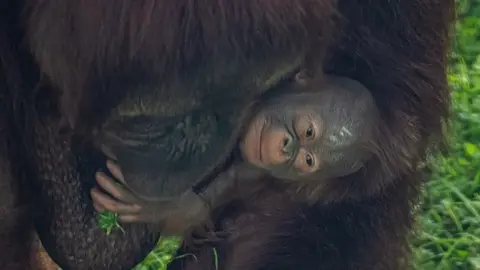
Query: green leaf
[471, 149]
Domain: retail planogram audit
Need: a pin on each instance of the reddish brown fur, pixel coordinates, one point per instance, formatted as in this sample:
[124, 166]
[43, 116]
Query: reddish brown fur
[93, 53]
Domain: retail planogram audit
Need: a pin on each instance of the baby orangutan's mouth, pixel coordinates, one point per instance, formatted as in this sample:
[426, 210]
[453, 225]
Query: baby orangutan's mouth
[253, 143]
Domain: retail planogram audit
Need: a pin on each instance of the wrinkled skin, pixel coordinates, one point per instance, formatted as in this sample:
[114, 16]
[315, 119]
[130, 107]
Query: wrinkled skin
[313, 130]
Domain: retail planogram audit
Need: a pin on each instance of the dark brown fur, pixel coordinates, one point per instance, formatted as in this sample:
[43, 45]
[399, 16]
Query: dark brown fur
[88, 51]
[367, 221]
[16, 227]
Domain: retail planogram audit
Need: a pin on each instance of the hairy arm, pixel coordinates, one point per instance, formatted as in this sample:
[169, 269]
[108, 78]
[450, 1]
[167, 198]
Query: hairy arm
[66, 221]
[162, 157]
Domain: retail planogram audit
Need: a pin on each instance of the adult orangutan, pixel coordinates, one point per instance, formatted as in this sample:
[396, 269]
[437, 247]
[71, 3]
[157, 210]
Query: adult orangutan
[69, 69]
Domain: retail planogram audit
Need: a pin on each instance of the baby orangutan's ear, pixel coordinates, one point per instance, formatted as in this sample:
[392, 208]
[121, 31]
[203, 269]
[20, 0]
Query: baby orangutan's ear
[303, 77]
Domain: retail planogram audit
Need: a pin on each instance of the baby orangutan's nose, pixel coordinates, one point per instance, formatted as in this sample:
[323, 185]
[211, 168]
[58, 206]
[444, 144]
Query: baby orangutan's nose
[288, 146]
[280, 147]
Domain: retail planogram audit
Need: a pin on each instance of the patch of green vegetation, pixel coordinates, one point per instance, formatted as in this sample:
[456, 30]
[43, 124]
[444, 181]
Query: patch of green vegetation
[162, 255]
[449, 233]
[109, 222]
[157, 259]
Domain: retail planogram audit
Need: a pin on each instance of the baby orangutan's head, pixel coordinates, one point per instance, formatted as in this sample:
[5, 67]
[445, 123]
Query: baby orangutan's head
[313, 127]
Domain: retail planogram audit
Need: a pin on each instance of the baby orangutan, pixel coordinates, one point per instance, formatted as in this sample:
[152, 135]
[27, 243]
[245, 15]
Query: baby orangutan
[309, 131]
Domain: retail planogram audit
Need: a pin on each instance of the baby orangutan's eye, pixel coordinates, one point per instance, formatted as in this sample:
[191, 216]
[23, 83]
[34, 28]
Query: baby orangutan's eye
[309, 160]
[310, 132]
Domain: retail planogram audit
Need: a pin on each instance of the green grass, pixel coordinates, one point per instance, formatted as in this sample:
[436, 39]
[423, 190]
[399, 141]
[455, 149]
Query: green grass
[448, 235]
[449, 232]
